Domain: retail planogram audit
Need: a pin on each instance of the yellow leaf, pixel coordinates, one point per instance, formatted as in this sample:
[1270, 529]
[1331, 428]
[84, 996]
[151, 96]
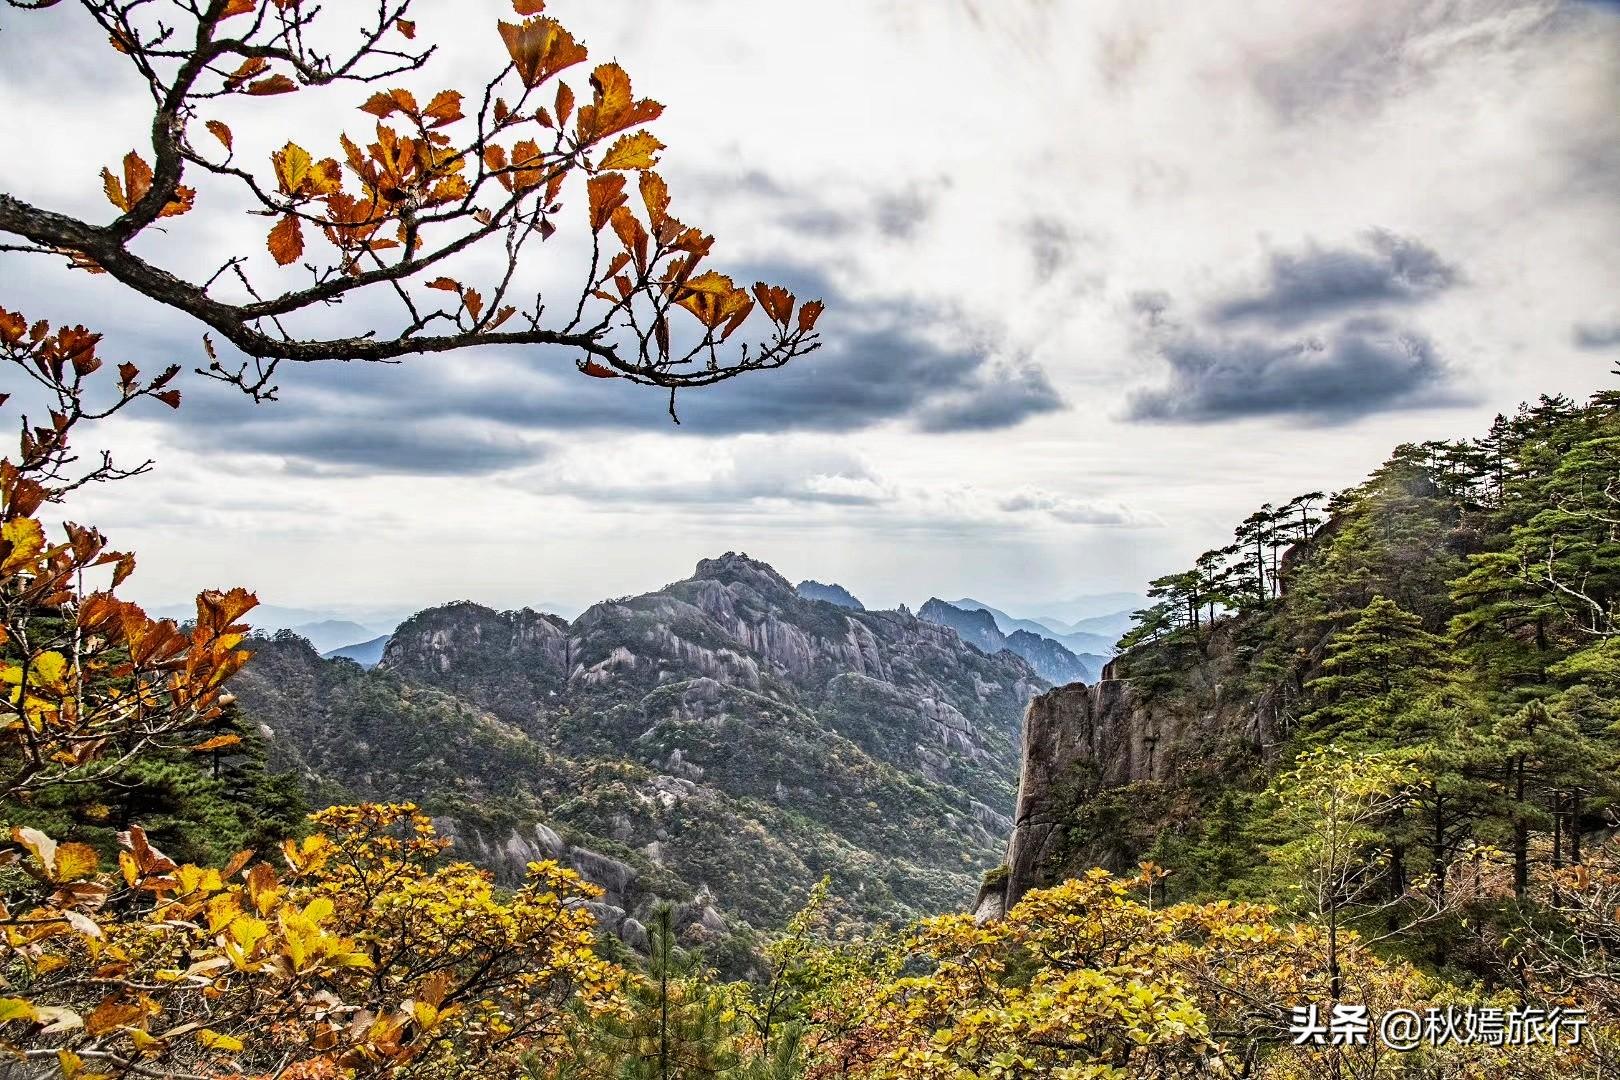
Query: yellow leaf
[75, 862]
[15, 1009]
[22, 540]
[114, 190]
[292, 164]
[638, 150]
[215, 1040]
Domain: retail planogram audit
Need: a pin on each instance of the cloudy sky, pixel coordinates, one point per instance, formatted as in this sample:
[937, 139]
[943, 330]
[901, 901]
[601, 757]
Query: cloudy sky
[1101, 278]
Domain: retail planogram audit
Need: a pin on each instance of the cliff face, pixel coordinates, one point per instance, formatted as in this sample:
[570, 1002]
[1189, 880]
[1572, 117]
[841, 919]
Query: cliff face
[1113, 739]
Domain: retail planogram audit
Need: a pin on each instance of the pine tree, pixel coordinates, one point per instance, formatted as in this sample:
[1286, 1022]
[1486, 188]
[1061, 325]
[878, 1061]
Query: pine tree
[1377, 668]
[676, 1024]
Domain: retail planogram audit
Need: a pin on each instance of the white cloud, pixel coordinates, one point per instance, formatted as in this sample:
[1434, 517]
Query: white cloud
[1005, 176]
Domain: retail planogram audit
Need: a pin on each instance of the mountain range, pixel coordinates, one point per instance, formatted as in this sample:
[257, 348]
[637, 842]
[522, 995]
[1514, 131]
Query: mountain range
[722, 742]
[991, 631]
[1093, 636]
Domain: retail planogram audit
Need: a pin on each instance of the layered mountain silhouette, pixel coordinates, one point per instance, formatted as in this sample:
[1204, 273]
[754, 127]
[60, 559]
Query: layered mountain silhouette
[986, 629]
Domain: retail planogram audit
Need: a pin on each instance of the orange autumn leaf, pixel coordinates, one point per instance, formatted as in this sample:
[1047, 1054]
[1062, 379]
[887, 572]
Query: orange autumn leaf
[528, 7]
[614, 108]
[540, 48]
[220, 132]
[137, 182]
[382, 104]
[597, 371]
[445, 108]
[714, 300]
[631, 235]
[808, 314]
[407, 28]
[565, 102]
[776, 302]
[655, 194]
[286, 240]
[606, 194]
[274, 84]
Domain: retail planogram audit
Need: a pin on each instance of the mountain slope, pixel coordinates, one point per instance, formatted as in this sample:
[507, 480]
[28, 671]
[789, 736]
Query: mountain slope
[1090, 637]
[722, 734]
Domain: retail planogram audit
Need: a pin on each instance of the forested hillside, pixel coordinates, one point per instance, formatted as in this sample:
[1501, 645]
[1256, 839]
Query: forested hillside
[1444, 634]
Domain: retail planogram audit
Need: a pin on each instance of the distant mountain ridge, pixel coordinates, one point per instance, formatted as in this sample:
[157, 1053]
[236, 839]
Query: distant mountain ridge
[365, 653]
[832, 594]
[980, 627]
[722, 735]
[1078, 641]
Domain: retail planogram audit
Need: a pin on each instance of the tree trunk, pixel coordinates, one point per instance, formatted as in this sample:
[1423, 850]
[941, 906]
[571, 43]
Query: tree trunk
[1521, 835]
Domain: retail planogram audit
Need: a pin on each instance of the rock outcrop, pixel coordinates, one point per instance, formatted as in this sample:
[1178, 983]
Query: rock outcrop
[1080, 741]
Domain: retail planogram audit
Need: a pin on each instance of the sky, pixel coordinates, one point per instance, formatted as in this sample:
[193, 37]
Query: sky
[1100, 278]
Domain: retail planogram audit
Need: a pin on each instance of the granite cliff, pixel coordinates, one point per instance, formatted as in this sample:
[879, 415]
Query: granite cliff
[1088, 748]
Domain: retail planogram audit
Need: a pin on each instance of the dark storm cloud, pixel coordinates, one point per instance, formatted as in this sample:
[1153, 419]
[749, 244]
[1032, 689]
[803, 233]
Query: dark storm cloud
[483, 412]
[326, 443]
[1365, 366]
[1598, 335]
[895, 215]
[999, 397]
[1321, 281]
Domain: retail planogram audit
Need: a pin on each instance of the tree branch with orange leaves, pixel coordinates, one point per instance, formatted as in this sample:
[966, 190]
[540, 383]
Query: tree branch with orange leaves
[415, 207]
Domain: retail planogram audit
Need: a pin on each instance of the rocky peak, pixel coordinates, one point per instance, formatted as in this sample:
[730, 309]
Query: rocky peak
[977, 628]
[438, 636]
[736, 567]
[508, 661]
[1056, 664]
